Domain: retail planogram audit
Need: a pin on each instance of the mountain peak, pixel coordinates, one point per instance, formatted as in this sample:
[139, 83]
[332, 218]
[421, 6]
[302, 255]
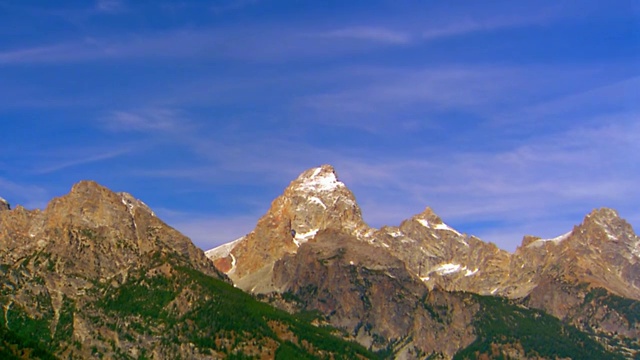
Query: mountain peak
[430, 220]
[315, 201]
[428, 216]
[602, 215]
[319, 179]
[84, 186]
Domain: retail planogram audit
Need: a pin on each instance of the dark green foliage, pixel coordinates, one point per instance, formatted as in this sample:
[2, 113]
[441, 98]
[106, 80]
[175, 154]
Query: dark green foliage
[13, 346]
[502, 322]
[64, 328]
[234, 310]
[288, 351]
[146, 297]
[33, 332]
[217, 311]
[26, 337]
[628, 308]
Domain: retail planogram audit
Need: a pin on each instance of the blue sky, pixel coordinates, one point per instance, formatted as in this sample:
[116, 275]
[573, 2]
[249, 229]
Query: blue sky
[507, 118]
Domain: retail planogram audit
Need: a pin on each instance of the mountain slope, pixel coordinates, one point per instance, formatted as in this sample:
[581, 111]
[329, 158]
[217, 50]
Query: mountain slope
[96, 274]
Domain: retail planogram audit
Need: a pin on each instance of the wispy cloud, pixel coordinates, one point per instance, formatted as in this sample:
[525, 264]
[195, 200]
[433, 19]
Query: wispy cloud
[146, 120]
[86, 158]
[455, 27]
[368, 33]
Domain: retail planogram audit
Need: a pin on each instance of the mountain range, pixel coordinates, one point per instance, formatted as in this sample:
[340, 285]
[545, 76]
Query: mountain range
[313, 238]
[96, 274]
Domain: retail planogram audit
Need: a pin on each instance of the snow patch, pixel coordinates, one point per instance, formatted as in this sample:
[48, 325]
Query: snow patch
[301, 238]
[426, 278]
[555, 240]
[424, 223]
[315, 199]
[446, 269]
[635, 250]
[233, 264]
[446, 227]
[469, 272]
[610, 235]
[395, 233]
[129, 206]
[223, 250]
[321, 182]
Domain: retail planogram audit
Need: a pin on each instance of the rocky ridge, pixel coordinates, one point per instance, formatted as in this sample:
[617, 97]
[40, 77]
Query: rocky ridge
[97, 275]
[555, 275]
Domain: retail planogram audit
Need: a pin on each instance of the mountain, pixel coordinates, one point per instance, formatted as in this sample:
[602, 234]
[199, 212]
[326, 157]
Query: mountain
[391, 287]
[315, 201]
[97, 275]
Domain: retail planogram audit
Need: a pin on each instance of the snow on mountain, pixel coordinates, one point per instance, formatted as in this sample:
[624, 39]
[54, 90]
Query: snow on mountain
[223, 250]
[321, 179]
[555, 240]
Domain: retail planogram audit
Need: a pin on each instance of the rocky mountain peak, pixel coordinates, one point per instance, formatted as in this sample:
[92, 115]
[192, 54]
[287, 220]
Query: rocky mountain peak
[4, 204]
[428, 218]
[315, 201]
[606, 226]
[602, 217]
[319, 179]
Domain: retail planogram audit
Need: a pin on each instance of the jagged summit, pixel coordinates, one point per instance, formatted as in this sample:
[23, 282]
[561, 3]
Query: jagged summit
[430, 220]
[315, 201]
[98, 231]
[319, 179]
[603, 213]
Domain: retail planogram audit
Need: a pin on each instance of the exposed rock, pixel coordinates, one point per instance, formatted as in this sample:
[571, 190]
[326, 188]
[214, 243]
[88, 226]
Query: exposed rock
[315, 201]
[86, 239]
[442, 256]
[370, 294]
[316, 223]
[4, 204]
[98, 275]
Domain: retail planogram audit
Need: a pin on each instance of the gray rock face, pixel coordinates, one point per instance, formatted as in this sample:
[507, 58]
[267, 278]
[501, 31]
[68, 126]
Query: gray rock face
[4, 204]
[369, 293]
